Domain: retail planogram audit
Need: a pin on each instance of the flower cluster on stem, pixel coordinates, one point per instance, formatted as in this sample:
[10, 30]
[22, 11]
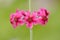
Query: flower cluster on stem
[21, 17]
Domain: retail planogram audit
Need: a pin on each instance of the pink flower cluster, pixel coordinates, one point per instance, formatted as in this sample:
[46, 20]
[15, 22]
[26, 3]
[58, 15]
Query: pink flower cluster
[21, 17]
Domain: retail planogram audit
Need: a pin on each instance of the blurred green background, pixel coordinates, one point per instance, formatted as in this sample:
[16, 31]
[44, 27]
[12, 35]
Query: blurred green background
[51, 31]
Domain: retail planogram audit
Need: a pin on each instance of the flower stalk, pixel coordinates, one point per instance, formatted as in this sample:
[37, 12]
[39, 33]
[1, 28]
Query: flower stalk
[30, 11]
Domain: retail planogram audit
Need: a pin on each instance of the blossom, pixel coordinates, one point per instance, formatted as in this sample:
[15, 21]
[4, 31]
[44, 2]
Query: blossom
[30, 20]
[21, 12]
[42, 12]
[42, 16]
[16, 19]
[42, 20]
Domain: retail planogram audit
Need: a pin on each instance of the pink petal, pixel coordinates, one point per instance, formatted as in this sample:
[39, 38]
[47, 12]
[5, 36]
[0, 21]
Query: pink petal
[28, 13]
[21, 22]
[12, 18]
[17, 10]
[34, 14]
[29, 25]
[14, 25]
[35, 21]
[43, 12]
[42, 22]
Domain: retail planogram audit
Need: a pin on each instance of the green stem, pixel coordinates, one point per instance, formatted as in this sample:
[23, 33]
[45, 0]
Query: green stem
[30, 11]
[30, 34]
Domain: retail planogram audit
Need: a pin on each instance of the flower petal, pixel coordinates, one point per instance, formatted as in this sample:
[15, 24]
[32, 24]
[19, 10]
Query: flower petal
[21, 22]
[29, 25]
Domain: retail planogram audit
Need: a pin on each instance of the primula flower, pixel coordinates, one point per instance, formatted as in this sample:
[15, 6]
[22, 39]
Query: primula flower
[42, 12]
[16, 19]
[30, 20]
[42, 20]
[42, 16]
[21, 12]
